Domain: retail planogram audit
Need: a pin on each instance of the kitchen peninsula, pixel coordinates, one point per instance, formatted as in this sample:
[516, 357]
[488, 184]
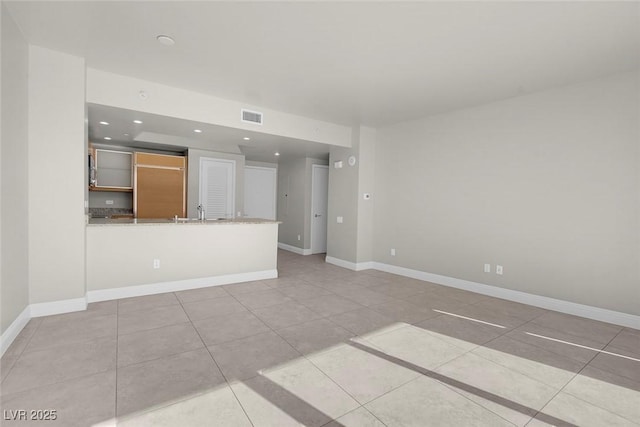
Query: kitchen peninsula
[132, 257]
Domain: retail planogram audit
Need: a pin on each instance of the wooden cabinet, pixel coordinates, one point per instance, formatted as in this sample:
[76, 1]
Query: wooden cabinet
[160, 186]
[113, 170]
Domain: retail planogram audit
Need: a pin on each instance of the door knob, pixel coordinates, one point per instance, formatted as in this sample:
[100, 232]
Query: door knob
[317, 215]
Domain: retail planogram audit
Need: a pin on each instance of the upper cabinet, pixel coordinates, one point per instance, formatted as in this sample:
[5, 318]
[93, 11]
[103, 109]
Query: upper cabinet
[112, 170]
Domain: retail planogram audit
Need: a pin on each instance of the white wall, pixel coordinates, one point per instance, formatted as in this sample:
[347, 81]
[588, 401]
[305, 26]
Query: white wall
[294, 201]
[121, 91]
[56, 175]
[546, 185]
[14, 294]
[352, 240]
[185, 251]
[193, 179]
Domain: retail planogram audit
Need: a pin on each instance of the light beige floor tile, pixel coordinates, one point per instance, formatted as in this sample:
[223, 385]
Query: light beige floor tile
[285, 282]
[426, 402]
[460, 294]
[627, 340]
[203, 309]
[6, 363]
[293, 395]
[416, 346]
[155, 343]
[157, 317]
[61, 332]
[20, 343]
[463, 333]
[328, 305]
[53, 365]
[284, 315]
[579, 348]
[362, 321]
[488, 315]
[534, 362]
[315, 336]
[160, 382]
[230, 327]
[565, 409]
[503, 391]
[362, 374]
[579, 326]
[397, 290]
[200, 294]
[364, 296]
[79, 402]
[145, 302]
[605, 390]
[242, 288]
[247, 357]
[303, 291]
[261, 299]
[433, 300]
[618, 361]
[403, 311]
[356, 418]
[218, 407]
[513, 309]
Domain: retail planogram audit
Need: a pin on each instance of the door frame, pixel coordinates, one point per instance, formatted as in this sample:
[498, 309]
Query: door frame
[233, 180]
[275, 187]
[313, 168]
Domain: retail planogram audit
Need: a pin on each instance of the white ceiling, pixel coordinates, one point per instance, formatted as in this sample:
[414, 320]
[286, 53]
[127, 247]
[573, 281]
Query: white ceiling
[350, 63]
[172, 134]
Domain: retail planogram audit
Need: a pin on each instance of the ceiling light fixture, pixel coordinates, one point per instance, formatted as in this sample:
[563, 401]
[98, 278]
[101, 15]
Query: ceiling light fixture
[126, 134]
[246, 138]
[197, 131]
[138, 122]
[104, 123]
[108, 138]
[277, 154]
[166, 40]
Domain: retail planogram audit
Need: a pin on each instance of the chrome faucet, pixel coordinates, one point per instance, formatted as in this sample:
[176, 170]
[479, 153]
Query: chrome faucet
[201, 215]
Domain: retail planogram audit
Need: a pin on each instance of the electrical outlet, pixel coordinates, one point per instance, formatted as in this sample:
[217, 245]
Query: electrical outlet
[108, 202]
[487, 268]
[298, 237]
[499, 270]
[156, 263]
[393, 252]
[339, 220]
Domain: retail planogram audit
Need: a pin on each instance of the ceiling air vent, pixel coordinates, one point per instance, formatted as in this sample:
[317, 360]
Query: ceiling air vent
[251, 117]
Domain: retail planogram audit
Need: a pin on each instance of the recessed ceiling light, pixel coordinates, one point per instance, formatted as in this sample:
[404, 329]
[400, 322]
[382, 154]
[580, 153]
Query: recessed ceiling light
[166, 40]
[104, 123]
[277, 154]
[138, 122]
[197, 131]
[108, 138]
[126, 134]
[246, 138]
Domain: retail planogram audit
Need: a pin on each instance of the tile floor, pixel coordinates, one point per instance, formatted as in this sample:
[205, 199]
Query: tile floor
[322, 346]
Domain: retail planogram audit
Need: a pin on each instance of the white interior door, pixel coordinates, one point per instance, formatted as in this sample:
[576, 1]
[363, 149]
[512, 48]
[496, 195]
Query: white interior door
[319, 195]
[217, 187]
[260, 192]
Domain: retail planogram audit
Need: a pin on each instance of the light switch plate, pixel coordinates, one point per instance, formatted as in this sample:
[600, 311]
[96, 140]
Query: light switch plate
[108, 202]
[339, 220]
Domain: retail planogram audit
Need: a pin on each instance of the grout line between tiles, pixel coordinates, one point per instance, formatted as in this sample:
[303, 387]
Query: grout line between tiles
[216, 363]
[573, 377]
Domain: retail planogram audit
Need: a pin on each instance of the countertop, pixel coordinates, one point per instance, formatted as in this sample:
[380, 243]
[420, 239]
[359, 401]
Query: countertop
[128, 221]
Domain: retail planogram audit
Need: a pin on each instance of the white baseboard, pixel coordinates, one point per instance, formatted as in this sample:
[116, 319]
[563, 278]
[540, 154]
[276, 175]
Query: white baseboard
[178, 285]
[350, 265]
[58, 307]
[590, 312]
[294, 249]
[14, 329]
